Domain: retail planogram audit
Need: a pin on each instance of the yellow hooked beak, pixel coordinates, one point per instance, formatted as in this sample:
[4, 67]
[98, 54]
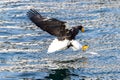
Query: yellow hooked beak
[85, 47]
[82, 30]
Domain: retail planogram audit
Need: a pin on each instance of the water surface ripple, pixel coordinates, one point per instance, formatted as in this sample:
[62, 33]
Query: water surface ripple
[23, 46]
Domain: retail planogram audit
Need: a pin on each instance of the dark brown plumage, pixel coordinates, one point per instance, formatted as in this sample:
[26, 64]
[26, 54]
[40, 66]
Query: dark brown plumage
[53, 26]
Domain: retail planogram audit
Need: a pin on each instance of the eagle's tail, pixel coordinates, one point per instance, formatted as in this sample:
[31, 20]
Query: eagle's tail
[57, 45]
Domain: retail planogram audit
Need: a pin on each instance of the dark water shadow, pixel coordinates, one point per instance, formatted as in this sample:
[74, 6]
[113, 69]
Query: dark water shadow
[67, 73]
[58, 74]
[80, 60]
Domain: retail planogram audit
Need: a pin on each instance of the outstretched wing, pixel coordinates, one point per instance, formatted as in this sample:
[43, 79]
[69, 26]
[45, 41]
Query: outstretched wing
[51, 25]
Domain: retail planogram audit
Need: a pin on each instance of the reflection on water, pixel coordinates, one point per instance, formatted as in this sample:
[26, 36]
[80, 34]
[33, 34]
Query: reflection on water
[23, 46]
[66, 73]
[59, 74]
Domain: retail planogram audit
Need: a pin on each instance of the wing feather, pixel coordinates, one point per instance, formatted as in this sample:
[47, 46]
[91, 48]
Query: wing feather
[52, 26]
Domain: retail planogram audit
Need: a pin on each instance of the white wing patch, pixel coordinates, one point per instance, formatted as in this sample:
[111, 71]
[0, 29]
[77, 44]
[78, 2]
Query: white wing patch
[47, 18]
[57, 45]
[68, 26]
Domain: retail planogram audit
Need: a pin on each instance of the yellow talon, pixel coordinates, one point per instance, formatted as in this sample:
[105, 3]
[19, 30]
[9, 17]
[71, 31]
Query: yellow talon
[85, 47]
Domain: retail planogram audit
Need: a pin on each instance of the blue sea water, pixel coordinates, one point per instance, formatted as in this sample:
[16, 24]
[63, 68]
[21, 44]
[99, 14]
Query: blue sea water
[23, 46]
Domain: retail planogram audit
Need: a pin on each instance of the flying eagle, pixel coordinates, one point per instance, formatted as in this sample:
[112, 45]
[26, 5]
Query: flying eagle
[65, 36]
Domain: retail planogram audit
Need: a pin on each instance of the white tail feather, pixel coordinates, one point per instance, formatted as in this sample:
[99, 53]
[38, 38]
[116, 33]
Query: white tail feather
[75, 45]
[57, 45]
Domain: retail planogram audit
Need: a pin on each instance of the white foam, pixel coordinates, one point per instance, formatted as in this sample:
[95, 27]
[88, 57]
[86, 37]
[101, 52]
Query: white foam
[94, 53]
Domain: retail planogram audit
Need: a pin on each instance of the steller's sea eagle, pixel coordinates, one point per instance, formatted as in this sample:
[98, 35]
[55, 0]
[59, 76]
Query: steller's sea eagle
[65, 37]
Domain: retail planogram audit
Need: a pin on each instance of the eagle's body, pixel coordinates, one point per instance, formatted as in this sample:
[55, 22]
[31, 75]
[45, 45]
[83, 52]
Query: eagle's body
[57, 28]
